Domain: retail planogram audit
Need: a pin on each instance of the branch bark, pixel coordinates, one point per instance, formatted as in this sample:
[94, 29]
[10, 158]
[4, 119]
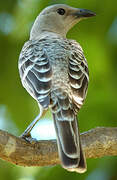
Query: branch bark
[96, 143]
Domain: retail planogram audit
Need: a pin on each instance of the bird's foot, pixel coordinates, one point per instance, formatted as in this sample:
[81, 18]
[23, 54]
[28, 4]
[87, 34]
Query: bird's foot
[28, 138]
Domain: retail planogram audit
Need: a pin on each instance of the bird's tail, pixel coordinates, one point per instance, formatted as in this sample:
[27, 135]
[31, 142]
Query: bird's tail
[68, 138]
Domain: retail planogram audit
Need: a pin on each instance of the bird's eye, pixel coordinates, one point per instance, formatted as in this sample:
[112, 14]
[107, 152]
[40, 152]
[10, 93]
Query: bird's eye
[61, 11]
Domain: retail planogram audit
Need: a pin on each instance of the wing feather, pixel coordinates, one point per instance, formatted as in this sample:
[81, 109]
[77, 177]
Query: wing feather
[78, 74]
[35, 71]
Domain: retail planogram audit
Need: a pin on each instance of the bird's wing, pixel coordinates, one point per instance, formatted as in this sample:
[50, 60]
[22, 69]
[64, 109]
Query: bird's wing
[35, 71]
[78, 74]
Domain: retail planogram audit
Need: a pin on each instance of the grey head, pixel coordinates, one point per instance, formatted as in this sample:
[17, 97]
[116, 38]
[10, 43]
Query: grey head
[59, 19]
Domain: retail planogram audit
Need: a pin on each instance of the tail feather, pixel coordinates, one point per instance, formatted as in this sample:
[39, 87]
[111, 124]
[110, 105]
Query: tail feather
[68, 138]
[82, 167]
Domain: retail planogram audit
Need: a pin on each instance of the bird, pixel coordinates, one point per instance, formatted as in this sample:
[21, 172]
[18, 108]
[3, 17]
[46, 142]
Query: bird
[54, 71]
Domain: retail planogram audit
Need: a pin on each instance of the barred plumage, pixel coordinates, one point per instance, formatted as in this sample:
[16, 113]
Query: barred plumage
[54, 71]
[35, 72]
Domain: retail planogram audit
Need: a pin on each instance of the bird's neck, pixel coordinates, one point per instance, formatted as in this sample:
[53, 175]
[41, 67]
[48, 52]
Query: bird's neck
[43, 34]
[40, 29]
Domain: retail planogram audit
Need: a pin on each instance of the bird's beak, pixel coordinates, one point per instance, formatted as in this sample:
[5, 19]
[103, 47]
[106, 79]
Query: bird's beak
[83, 13]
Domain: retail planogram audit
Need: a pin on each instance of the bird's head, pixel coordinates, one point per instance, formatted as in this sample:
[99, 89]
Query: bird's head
[59, 18]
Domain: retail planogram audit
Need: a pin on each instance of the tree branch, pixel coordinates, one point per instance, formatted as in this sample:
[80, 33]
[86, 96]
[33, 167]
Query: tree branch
[97, 142]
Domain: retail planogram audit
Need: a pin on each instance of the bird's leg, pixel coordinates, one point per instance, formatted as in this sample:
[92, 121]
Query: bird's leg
[26, 134]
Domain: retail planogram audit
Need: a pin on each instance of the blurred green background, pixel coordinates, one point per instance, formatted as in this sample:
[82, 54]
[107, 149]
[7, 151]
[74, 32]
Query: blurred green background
[98, 37]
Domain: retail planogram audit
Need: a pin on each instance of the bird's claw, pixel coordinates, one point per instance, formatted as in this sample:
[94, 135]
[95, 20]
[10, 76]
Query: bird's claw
[28, 138]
